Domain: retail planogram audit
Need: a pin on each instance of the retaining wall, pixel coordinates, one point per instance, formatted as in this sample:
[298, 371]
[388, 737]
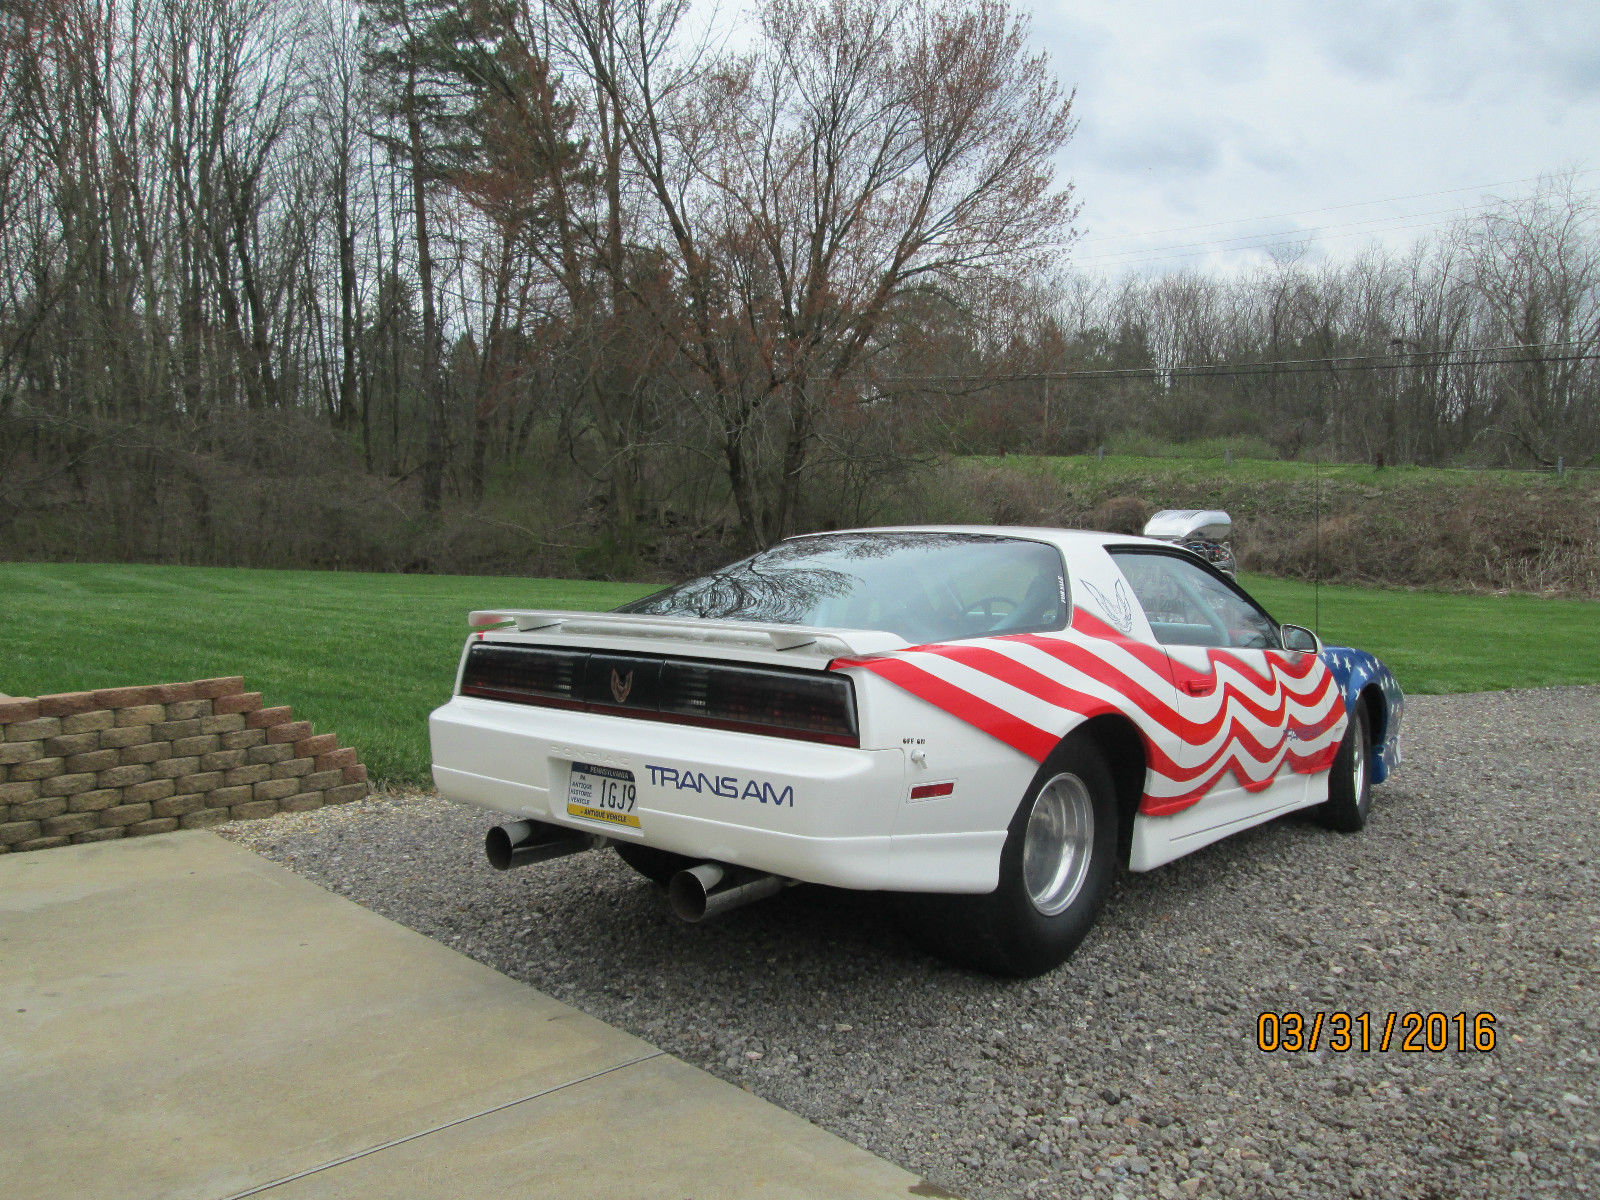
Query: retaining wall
[121, 762]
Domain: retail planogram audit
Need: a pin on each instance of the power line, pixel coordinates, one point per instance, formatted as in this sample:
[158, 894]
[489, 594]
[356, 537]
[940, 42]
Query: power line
[1220, 372]
[1472, 356]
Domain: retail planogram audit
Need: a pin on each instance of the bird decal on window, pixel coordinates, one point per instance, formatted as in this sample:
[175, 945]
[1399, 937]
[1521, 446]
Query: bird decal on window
[1118, 611]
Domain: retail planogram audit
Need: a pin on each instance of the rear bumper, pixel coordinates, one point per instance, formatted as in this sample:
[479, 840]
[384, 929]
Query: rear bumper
[823, 814]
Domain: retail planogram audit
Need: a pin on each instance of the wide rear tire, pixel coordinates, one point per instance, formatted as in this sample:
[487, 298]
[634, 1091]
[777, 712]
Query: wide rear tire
[1056, 868]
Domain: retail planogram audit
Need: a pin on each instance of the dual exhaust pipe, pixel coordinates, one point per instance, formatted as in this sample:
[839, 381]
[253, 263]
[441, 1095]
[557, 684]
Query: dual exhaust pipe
[695, 893]
[711, 889]
[524, 842]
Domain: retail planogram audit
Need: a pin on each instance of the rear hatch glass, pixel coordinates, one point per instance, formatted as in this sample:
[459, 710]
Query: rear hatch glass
[922, 586]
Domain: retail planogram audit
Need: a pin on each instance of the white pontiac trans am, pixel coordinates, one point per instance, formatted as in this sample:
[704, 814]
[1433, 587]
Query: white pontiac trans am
[986, 721]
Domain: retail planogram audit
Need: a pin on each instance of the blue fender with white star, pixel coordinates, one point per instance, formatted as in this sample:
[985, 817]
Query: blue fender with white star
[1359, 673]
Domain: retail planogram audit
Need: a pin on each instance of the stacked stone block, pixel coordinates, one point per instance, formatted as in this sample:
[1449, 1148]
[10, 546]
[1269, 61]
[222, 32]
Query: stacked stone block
[121, 762]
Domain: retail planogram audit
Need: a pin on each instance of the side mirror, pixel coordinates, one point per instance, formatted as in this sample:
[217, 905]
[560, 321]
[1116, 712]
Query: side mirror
[1300, 640]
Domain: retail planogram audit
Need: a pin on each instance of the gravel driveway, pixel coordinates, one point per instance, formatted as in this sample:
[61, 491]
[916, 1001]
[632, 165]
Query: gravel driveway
[1133, 1070]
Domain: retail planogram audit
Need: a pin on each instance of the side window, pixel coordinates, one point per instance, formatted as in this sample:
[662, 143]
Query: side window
[1026, 592]
[1021, 592]
[1187, 606]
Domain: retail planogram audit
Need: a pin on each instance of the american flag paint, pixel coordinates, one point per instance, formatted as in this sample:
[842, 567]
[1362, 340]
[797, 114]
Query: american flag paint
[1205, 715]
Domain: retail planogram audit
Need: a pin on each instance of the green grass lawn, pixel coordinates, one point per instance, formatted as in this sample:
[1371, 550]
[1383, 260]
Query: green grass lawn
[1441, 642]
[367, 656]
[363, 656]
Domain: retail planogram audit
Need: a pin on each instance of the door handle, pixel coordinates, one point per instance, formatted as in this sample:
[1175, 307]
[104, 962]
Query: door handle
[1200, 685]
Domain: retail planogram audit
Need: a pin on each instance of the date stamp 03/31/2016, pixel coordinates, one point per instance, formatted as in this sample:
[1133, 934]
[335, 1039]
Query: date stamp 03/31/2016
[1347, 1032]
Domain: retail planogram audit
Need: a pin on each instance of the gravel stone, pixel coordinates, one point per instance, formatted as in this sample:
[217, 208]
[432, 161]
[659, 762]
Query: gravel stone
[1132, 1070]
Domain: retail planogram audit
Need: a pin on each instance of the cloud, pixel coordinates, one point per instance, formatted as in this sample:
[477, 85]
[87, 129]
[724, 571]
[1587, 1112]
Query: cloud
[1228, 56]
[1165, 147]
[1268, 157]
[1561, 53]
[1448, 49]
[1080, 51]
[1194, 116]
[1367, 39]
[1577, 68]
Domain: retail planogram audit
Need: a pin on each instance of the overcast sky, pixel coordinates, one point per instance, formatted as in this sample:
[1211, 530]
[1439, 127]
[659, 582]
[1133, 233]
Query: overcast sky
[1192, 114]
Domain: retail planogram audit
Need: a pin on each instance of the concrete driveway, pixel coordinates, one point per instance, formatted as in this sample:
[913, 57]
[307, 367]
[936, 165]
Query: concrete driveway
[180, 1018]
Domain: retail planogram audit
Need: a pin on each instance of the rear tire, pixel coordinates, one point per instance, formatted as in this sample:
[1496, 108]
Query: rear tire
[1056, 867]
[1350, 781]
[658, 866]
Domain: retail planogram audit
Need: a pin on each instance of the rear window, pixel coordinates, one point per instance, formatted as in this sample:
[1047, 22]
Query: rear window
[924, 587]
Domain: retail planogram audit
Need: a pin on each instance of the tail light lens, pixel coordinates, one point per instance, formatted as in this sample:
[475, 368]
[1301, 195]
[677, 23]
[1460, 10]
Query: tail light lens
[794, 704]
[522, 671]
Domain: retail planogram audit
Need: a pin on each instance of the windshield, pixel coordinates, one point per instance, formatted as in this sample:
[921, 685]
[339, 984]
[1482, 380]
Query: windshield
[924, 587]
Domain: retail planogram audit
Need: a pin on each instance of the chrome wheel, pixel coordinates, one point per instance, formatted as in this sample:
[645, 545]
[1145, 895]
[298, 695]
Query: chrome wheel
[1057, 845]
[1350, 778]
[1057, 864]
[1358, 768]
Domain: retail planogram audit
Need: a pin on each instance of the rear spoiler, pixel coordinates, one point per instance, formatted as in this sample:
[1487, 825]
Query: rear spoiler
[757, 636]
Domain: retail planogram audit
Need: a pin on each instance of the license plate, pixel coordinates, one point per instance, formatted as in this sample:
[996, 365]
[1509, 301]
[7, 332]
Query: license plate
[602, 794]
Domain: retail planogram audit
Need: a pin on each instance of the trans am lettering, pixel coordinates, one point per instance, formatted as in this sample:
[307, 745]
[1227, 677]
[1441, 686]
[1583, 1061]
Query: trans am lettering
[730, 787]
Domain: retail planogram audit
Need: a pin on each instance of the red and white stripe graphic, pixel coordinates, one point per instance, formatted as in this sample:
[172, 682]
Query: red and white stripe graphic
[1029, 690]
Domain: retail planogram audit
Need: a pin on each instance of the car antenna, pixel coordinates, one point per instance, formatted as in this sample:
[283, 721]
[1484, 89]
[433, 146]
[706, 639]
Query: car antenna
[1316, 546]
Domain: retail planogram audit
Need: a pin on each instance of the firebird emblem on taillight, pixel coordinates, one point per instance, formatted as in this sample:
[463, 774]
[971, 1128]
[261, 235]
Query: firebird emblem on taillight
[620, 687]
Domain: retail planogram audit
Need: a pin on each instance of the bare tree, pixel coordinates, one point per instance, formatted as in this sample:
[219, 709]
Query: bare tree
[413, 46]
[1536, 264]
[857, 154]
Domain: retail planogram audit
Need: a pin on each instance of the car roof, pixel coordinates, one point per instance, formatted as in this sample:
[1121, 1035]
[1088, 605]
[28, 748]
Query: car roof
[1068, 539]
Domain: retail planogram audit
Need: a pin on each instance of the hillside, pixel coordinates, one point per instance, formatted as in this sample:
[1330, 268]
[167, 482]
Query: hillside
[1451, 529]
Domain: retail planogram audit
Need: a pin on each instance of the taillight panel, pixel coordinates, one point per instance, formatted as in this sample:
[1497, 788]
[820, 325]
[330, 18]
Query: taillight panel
[806, 705]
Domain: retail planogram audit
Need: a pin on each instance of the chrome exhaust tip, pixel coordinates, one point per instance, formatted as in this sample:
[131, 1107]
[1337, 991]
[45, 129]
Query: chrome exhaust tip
[710, 889]
[522, 842]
